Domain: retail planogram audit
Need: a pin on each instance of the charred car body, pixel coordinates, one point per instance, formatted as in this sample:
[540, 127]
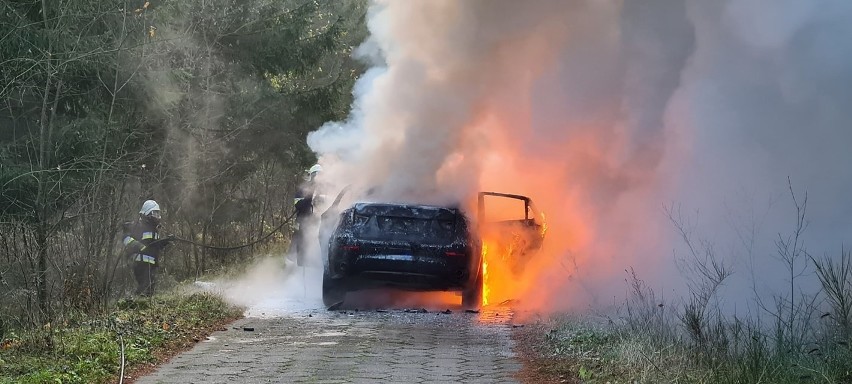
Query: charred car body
[419, 247]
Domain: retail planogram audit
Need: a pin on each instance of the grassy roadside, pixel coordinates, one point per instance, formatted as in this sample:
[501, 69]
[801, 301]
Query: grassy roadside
[802, 334]
[89, 349]
[572, 350]
[540, 363]
[576, 350]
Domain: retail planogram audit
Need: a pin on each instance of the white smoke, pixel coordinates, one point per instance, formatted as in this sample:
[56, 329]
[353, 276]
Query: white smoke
[606, 111]
[765, 97]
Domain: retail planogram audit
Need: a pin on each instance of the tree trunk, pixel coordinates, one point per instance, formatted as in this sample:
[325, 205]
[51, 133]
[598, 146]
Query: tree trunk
[43, 228]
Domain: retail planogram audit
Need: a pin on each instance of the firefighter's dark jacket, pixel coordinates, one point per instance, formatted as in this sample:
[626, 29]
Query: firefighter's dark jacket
[138, 238]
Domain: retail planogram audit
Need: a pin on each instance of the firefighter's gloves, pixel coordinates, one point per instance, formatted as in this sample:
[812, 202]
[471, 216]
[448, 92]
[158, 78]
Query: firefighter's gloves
[157, 244]
[162, 242]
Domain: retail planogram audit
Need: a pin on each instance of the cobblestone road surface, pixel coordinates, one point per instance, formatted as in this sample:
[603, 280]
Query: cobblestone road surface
[290, 344]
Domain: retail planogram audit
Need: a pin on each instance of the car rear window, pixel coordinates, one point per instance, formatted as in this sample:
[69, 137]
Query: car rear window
[407, 211]
[409, 218]
[402, 224]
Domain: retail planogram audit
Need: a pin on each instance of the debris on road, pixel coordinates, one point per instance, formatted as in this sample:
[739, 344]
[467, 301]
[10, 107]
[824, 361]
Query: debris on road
[472, 310]
[248, 329]
[446, 311]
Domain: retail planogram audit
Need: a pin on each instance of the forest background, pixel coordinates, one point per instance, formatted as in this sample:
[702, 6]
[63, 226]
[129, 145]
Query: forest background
[202, 105]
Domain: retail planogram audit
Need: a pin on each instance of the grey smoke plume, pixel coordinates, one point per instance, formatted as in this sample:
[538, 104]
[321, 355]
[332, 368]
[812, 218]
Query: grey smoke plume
[604, 112]
[765, 97]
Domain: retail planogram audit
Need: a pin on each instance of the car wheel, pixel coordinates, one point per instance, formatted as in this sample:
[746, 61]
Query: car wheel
[332, 293]
[472, 295]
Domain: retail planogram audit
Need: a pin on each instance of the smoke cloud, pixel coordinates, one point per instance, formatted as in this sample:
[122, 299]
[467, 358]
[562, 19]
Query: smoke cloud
[605, 112]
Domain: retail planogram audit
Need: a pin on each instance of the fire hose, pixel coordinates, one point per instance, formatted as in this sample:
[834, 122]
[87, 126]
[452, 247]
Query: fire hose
[287, 220]
[169, 239]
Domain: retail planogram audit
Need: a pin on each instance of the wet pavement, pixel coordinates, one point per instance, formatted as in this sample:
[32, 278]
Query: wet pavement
[295, 340]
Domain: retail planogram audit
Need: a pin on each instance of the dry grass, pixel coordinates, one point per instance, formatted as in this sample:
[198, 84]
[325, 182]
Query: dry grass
[647, 340]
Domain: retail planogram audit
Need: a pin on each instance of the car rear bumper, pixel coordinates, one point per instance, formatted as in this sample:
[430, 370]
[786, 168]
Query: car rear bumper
[354, 272]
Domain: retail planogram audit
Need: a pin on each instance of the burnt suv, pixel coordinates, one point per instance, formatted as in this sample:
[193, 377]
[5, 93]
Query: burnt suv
[419, 247]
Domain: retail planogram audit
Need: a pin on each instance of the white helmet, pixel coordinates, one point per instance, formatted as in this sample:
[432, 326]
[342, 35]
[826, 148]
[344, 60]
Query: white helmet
[148, 207]
[315, 169]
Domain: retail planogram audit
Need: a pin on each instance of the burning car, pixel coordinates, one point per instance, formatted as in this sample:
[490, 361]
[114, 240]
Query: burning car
[423, 247]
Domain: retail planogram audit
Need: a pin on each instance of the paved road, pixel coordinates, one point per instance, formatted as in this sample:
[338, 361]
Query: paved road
[297, 341]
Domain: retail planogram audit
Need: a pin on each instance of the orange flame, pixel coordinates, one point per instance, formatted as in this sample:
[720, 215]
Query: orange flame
[486, 283]
[500, 280]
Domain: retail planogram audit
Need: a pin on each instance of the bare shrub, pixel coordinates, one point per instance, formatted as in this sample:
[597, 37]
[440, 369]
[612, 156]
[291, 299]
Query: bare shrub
[835, 277]
[705, 272]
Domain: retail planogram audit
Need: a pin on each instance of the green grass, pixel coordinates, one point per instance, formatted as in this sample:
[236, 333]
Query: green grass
[88, 349]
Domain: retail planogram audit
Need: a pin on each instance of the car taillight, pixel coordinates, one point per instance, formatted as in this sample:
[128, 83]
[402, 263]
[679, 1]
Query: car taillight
[454, 253]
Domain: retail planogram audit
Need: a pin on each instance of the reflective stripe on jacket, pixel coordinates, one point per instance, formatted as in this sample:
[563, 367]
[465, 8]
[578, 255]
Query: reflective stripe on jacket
[137, 238]
[145, 259]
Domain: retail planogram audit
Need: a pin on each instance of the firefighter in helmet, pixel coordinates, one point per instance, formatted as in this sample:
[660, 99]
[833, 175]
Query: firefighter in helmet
[304, 203]
[143, 244]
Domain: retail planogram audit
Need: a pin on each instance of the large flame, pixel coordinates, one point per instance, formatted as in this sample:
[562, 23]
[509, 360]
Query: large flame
[580, 183]
[500, 282]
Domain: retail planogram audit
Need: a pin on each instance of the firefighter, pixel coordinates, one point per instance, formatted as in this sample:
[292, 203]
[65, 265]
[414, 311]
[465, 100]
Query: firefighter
[305, 201]
[143, 244]
[312, 188]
